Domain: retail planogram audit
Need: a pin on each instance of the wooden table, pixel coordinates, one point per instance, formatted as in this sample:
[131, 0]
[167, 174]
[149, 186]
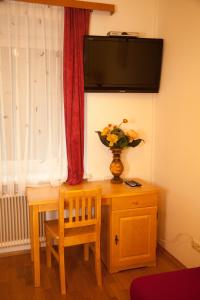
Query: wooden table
[45, 198]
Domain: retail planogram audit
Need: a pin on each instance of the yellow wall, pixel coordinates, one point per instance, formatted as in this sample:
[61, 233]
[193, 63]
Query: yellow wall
[177, 144]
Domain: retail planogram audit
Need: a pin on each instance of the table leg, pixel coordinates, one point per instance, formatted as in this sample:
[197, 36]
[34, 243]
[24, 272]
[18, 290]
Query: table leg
[31, 230]
[36, 245]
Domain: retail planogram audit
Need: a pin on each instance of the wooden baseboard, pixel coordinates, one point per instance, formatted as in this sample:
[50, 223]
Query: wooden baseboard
[174, 260]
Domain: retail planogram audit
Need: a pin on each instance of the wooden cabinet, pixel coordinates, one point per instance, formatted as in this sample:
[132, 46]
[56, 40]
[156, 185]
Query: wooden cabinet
[129, 225]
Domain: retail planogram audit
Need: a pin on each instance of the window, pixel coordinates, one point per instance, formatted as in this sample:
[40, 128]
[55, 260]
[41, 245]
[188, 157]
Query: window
[32, 134]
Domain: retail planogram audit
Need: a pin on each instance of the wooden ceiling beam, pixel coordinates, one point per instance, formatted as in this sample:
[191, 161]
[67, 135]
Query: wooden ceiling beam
[76, 4]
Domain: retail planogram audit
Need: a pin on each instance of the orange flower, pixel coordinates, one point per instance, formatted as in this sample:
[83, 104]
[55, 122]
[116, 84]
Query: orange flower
[132, 135]
[105, 131]
[123, 121]
[111, 126]
[112, 138]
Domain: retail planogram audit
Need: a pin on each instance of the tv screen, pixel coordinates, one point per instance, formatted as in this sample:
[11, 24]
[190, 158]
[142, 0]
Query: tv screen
[122, 64]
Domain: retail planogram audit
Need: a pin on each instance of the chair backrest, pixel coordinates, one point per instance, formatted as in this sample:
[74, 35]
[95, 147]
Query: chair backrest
[83, 208]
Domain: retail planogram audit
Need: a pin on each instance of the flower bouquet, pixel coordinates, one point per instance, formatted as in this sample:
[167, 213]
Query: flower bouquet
[113, 136]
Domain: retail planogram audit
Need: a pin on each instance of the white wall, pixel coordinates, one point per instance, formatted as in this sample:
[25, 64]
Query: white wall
[104, 108]
[177, 142]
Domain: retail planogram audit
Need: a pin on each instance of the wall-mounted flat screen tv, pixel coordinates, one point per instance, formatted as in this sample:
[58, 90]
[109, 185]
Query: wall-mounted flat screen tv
[122, 64]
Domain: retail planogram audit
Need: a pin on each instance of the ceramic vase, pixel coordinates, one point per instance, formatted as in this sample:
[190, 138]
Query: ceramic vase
[116, 166]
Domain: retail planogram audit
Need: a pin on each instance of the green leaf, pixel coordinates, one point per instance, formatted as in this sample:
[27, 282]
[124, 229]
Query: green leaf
[122, 142]
[135, 143]
[118, 132]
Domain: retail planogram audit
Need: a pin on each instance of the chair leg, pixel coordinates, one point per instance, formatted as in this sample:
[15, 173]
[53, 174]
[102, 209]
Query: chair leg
[86, 252]
[98, 263]
[62, 270]
[48, 250]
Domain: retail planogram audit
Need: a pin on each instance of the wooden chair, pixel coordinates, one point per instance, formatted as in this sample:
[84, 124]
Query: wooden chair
[81, 226]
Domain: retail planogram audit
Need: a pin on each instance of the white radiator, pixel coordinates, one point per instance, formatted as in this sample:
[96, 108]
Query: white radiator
[14, 222]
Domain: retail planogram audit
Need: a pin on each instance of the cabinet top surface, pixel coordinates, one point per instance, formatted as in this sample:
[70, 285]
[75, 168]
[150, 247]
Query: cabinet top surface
[109, 190]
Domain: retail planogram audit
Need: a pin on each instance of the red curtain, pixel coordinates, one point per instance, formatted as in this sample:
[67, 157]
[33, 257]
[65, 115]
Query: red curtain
[76, 25]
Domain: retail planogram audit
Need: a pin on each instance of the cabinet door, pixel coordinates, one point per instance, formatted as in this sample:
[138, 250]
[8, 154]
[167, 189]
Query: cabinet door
[133, 238]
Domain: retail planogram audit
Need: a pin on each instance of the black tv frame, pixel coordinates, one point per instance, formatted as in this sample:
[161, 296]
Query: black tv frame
[122, 89]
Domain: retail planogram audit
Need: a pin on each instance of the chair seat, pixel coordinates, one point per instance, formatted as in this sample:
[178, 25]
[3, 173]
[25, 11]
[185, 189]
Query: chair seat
[177, 285]
[84, 234]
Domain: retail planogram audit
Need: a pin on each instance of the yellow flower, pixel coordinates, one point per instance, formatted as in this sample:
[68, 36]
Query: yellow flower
[112, 138]
[105, 131]
[132, 134]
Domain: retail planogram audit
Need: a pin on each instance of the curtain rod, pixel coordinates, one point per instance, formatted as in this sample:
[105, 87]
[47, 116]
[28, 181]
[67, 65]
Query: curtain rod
[76, 4]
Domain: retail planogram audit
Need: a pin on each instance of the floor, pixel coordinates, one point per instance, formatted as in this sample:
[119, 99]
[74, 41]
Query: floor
[16, 278]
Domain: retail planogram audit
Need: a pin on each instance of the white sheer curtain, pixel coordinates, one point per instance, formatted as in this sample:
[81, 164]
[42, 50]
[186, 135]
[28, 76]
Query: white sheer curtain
[32, 135]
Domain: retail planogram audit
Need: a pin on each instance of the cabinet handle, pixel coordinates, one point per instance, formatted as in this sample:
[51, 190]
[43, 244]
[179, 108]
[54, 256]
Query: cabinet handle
[116, 239]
